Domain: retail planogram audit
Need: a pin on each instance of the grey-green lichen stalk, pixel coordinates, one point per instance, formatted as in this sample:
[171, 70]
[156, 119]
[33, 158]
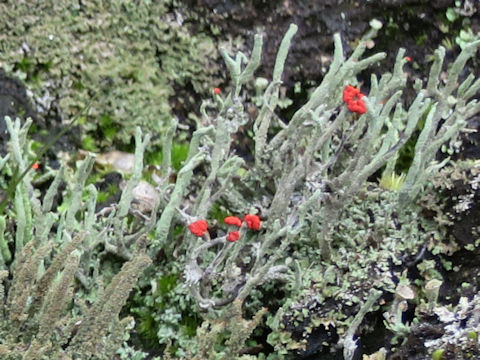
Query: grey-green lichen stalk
[37, 319]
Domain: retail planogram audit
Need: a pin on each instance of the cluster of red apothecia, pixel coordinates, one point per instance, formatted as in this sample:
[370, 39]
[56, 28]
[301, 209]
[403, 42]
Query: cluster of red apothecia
[200, 227]
[353, 98]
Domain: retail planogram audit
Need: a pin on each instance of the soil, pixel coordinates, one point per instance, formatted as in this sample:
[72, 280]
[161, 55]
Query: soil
[13, 102]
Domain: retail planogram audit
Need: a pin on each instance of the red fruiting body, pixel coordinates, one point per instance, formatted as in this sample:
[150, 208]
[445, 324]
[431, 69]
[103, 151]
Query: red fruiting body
[349, 93]
[408, 58]
[357, 106]
[233, 236]
[233, 220]
[353, 97]
[217, 91]
[253, 221]
[198, 228]
[36, 166]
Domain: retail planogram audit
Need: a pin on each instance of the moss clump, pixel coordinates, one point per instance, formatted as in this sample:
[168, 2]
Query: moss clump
[130, 55]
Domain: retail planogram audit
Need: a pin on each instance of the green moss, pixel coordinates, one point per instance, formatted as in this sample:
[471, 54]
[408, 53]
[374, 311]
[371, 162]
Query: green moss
[406, 153]
[146, 327]
[166, 284]
[438, 354]
[179, 155]
[472, 335]
[24, 65]
[420, 39]
[103, 196]
[108, 127]
[218, 212]
[89, 144]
